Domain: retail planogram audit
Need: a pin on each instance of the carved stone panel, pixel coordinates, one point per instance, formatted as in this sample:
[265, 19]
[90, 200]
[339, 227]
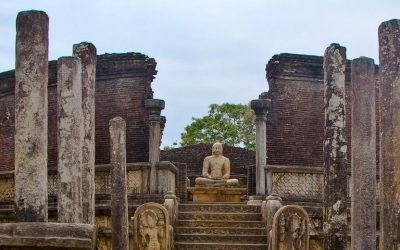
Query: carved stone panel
[134, 182]
[151, 227]
[290, 229]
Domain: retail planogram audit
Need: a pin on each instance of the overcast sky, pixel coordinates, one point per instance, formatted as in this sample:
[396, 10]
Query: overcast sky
[207, 51]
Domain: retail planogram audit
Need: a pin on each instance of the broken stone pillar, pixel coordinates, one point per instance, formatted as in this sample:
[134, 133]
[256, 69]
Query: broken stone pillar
[69, 139]
[87, 53]
[363, 154]
[389, 80]
[335, 149]
[119, 200]
[154, 107]
[260, 108]
[31, 80]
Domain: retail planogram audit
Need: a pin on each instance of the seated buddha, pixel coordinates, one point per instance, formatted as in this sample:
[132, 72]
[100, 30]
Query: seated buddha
[216, 170]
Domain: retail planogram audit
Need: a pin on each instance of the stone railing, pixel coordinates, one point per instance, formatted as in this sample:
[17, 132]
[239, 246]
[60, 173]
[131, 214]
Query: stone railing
[301, 183]
[137, 180]
[297, 183]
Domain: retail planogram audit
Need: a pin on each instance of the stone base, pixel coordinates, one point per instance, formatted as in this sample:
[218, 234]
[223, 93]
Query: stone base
[40, 235]
[256, 200]
[216, 194]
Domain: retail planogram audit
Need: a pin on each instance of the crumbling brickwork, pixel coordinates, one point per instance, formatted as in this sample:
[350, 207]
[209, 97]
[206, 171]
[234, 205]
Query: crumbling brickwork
[123, 83]
[295, 122]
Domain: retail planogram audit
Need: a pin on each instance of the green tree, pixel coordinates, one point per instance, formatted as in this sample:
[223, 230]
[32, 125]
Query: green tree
[230, 124]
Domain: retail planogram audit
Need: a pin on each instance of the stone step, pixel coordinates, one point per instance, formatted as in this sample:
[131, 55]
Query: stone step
[219, 246]
[221, 230]
[220, 238]
[219, 216]
[219, 207]
[220, 223]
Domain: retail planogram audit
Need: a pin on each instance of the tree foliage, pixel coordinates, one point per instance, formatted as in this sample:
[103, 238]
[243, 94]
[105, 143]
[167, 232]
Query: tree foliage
[230, 124]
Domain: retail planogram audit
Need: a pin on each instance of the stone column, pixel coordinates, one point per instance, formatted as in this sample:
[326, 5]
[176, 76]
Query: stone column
[260, 107]
[389, 80]
[119, 200]
[363, 155]
[69, 139]
[154, 106]
[87, 53]
[335, 149]
[31, 80]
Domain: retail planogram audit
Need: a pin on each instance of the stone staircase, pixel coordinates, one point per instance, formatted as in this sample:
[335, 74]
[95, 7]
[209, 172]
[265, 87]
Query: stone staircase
[224, 225]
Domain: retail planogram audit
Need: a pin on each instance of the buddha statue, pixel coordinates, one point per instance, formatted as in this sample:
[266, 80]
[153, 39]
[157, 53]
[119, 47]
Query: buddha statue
[216, 170]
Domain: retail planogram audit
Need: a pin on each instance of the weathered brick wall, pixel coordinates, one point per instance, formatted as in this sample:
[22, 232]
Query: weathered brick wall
[193, 156]
[295, 124]
[123, 83]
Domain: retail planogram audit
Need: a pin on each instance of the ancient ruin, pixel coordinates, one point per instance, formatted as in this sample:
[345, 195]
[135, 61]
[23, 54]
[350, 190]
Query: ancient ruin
[81, 165]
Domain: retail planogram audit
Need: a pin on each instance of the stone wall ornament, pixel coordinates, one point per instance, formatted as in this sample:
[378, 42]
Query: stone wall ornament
[152, 229]
[290, 229]
[268, 209]
[171, 204]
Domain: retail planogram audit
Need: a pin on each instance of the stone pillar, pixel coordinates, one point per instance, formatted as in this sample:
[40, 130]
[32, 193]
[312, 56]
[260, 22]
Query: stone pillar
[119, 200]
[69, 139]
[389, 81]
[363, 155]
[154, 106]
[335, 149]
[31, 80]
[87, 53]
[260, 107]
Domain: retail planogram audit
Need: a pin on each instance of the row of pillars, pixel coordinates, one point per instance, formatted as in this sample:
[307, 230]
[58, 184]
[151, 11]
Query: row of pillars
[75, 115]
[363, 169]
[75, 136]
[363, 128]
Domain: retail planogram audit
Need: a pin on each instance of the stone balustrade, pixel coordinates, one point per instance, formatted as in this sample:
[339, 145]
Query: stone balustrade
[136, 181]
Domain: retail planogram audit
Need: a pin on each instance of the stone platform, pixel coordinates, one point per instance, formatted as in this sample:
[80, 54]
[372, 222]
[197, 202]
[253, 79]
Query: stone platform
[40, 235]
[216, 194]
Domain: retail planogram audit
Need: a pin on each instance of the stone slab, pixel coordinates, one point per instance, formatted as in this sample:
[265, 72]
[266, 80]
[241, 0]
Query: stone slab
[40, 235]
[216, 194]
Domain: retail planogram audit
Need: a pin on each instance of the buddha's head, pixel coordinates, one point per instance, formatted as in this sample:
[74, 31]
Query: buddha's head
[217, 148]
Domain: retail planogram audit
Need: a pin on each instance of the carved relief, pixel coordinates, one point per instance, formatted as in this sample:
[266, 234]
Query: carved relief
[290, 229]
[52, 184]
[104, 243]
[134, 182]
[151, 227]
[291, 185]
[6, 188]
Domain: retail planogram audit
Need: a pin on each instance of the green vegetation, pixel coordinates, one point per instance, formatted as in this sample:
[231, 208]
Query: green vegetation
[230, 124]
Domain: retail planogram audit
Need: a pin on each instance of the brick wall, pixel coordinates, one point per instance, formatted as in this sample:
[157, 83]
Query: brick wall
[123, 83]
[193, 156]
[295, 124]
